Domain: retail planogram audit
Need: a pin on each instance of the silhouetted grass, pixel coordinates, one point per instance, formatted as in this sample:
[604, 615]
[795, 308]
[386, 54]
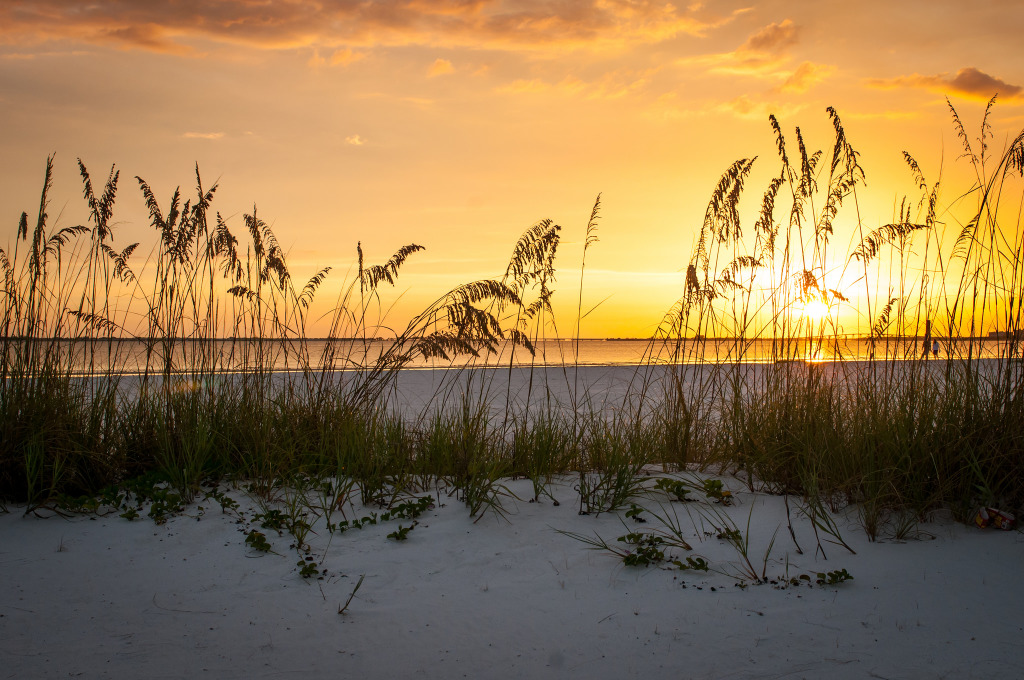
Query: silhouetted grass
[227, 386]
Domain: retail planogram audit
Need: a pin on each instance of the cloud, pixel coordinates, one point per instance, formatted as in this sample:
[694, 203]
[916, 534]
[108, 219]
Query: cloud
[766, 49]
[969, 83]
[440, 67]
[806, 76]
[745, 107]
[190, 26]
[341, 57]
[611, 85]
[203, 135]
[772, 39]
[316, 61]
[29, 56]
[417, 102]
[762, 52]
[149, 36]
[524, 86]
[355, 140]
[751, 109]
[346, 56]
[673, 106]
[882, 115]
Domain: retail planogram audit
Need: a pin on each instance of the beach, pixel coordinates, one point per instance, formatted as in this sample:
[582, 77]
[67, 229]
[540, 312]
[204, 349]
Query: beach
[520, 593]
[102, 597]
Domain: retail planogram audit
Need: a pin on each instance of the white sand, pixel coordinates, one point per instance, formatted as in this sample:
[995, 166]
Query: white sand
[111, 598]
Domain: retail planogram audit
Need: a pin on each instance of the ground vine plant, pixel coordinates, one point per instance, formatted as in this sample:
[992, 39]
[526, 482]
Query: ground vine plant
[218, 313]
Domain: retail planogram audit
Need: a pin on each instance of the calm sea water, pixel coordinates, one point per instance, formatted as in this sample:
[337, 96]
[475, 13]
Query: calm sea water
[132, 356]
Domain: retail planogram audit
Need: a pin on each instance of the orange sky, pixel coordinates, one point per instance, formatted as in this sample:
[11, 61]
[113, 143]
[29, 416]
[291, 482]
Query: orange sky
[457, 124]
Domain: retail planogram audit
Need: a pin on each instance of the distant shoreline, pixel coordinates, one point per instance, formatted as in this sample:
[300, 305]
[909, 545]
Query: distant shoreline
[823, 339]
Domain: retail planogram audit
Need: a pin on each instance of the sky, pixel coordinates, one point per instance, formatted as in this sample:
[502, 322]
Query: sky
[458, 124]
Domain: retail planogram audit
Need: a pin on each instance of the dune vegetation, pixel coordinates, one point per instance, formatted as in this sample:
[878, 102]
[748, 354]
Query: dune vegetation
[85, 425]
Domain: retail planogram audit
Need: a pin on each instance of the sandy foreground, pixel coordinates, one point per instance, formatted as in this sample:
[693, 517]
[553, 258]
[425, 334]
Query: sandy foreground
[104, 597]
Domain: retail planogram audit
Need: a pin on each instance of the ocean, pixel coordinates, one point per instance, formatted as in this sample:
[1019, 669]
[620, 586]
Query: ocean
[133, 356]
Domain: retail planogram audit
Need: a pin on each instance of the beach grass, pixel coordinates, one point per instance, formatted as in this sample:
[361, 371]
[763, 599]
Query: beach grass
[219, 315]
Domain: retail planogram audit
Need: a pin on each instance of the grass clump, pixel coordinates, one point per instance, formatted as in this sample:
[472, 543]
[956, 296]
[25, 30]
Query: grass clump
[196, 364]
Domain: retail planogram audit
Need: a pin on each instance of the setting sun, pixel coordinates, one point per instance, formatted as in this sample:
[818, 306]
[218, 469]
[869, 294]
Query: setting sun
[815, 311]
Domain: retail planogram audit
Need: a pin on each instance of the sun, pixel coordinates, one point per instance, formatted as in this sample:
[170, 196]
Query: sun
[815, 310]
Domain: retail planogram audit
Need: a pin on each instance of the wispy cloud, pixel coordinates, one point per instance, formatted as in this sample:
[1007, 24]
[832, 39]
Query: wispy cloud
[203, 135]
[758, 109]
[355, 140]
[346, 56]
[29, 56]
[969, 83]
[672, 106]
[772, 39]
[178, 26]
[440, 67]
[610, 85]
[525, 86]
[763, 52]
[765, 55]
[806, 76]
[417, 102]
[888, 114]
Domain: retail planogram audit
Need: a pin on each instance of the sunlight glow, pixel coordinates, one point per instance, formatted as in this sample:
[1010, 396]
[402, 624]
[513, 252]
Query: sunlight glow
[815, 311]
